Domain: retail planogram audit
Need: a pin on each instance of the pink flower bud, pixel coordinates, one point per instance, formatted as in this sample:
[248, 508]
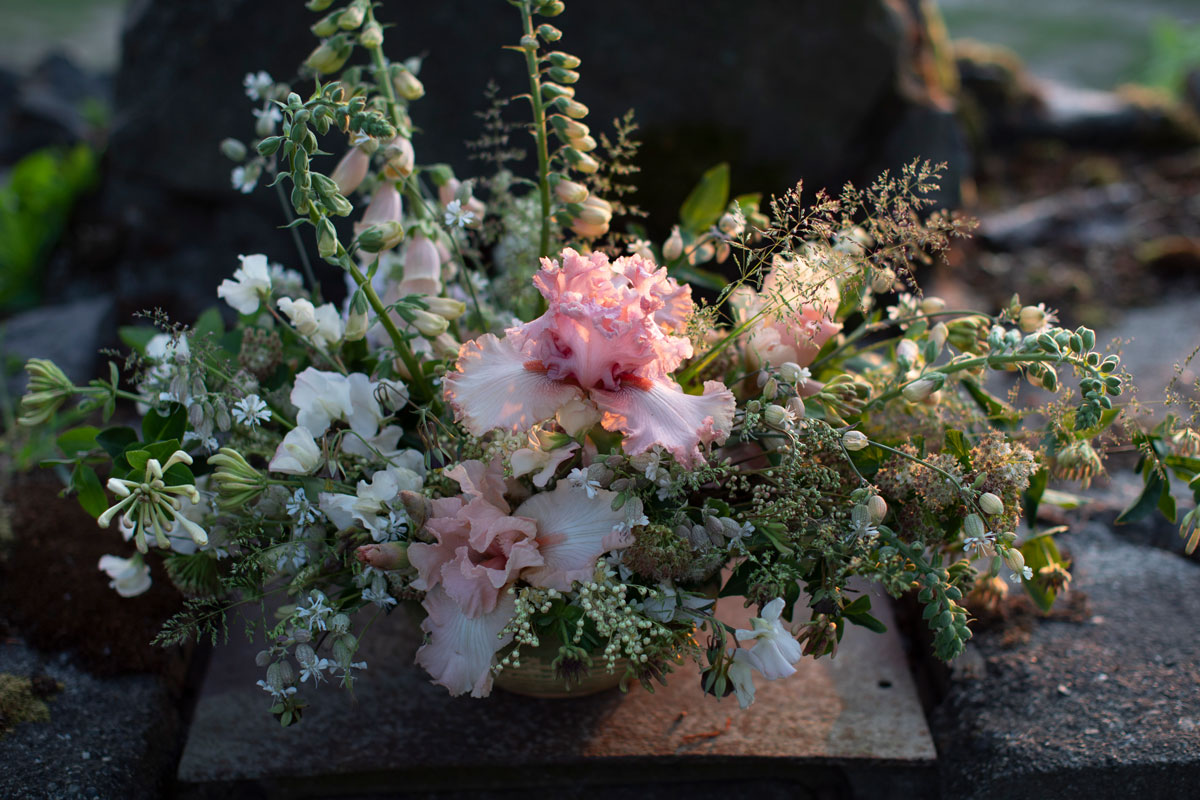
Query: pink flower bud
[350, 171]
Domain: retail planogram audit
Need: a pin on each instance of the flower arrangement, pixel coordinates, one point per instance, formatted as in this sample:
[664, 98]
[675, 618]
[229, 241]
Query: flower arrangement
[556, 435]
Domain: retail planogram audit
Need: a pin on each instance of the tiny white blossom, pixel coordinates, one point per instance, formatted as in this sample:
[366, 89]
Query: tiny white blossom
[266, 119]
[457, 216]
[1026, 573]
[277, 694]
[251, 410]
[640, 247]
[313, 668]
[299, 509]
[579, 477]
[316, 614]
[258, 85]
[381, 599]
[982, 545]
[243, 180]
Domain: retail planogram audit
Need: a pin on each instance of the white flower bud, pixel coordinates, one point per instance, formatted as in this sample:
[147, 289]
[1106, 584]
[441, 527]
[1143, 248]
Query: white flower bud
[932, 305]
[301, 313]
[356, 326]
[883, 281]
[673, 248]
[907, 351]
[922, 388]
[991, 504]
[407, 85]
[939, 334]
[855, 440]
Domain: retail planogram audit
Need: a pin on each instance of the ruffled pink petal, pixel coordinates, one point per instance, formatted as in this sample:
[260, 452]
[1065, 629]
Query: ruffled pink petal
[477, 479]
[451, 533]
[659, 413]
[475, 580]
[573, 531]
[494, 388]
[461, 649]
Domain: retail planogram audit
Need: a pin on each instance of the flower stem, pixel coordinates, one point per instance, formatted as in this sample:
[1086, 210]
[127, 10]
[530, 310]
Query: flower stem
[539, 125]
[972, 363]
[422, 390]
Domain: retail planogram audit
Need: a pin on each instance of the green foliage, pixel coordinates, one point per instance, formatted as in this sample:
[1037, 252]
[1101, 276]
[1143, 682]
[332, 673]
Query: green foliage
[1174, 51]
[35, 202]
[707, 201]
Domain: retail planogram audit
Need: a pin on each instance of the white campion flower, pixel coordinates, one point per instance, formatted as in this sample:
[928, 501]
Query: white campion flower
[775, 649]
[245, 177]
[457, 216]
[251, 410]
[130, 576]
[258, 85]
[266, 119]
[297, 454]
[251, 283]
[579, 477]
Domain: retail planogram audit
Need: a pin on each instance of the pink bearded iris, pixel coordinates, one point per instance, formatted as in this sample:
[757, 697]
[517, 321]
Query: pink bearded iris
[608, 338]
[550, 541]
[802, 301]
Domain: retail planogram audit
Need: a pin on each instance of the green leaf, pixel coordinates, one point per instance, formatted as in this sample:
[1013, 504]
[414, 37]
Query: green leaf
[1040, 551]
[114, 440]
[959, 447]
[157, 427]
[998, 411]
[705, 279]
[86, 484]
[136, 459]
[136, 336]
[1107, 418]
[707, 201]
[209, 322]
[859, 606]
[1064, 500]
[1033, 495]
[1166, 503]
[867, 621]
[749, 203]
[1147, 501]
[78, 440]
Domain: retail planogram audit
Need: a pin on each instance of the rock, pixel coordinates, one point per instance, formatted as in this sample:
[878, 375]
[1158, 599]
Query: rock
[847, 727]
[823, 93]
[1078, 217]
[69, 335]
[113, 737]
[48, 107]
[1128, 723]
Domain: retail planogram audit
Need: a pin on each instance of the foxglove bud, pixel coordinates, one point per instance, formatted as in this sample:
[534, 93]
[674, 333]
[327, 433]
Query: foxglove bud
[371, 36]
[329, 56]
[429, 324]
[407, 84]
[565, 60]
[385, 206]
[570, 191]
[356, 326]
[327, 25]
[422, 267]
[446, 307]
[581, 162]
[595, 211]
[353, 16]
[991, 504]
[855, 440]
[572, 108]
[589, 230]
[673, 247]
[384, 236]
[549, 33]
[584, 144]
[400, 158]
[569, 128]
[327, 241]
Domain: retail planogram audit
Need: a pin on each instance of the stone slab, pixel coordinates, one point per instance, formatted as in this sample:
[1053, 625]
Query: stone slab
[852, 721]
[1099, 704]
[106, 737]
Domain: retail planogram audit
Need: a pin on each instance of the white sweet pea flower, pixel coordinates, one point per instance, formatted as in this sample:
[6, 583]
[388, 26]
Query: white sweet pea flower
[301, 313]
[297, 454]
[369, 507]
[775, 649]
[329, 326]
[130, 576]
[251, 283]
[741, 676]
[321, 397]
